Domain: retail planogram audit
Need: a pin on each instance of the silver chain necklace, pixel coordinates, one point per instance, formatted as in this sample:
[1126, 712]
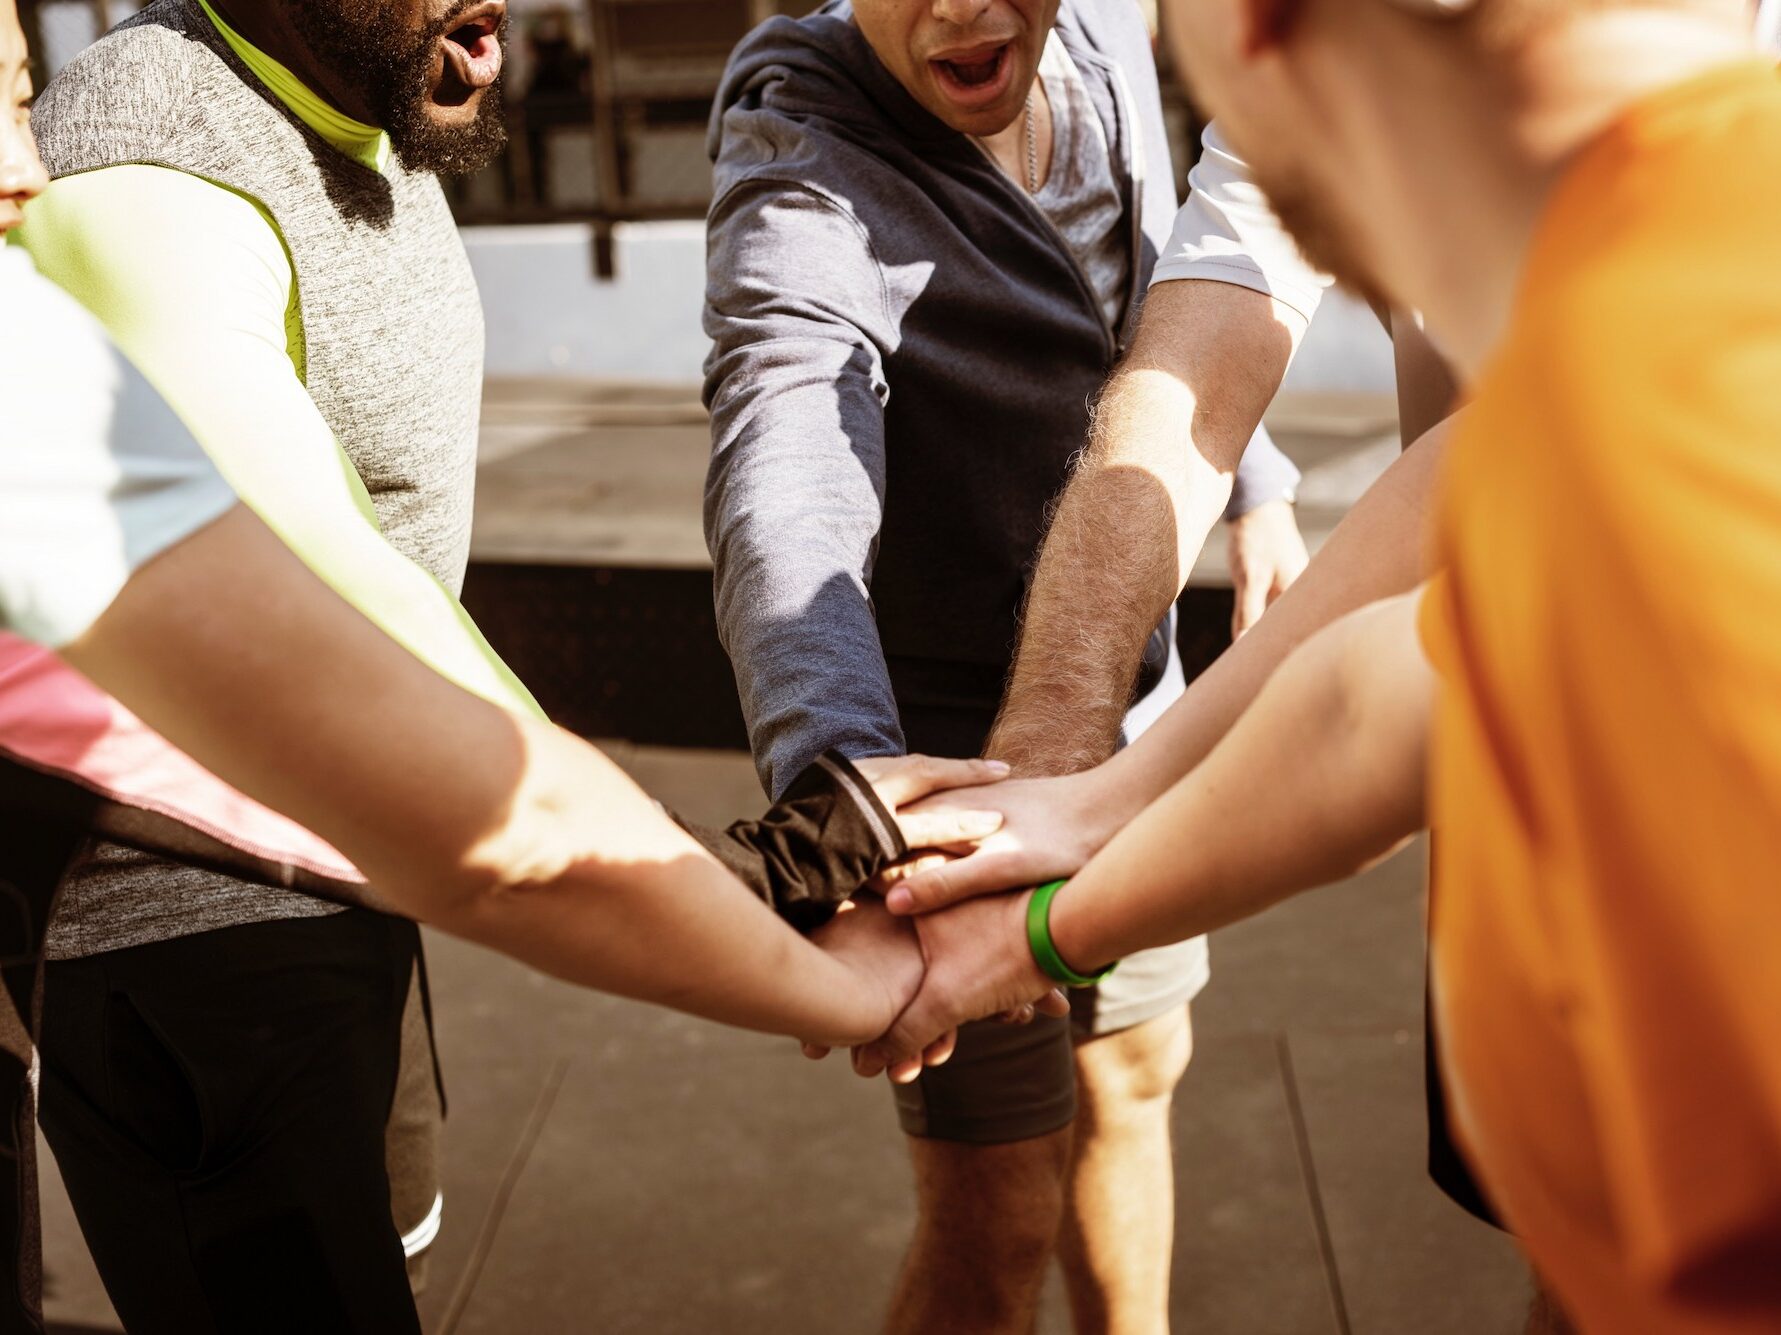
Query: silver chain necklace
[1032, 147]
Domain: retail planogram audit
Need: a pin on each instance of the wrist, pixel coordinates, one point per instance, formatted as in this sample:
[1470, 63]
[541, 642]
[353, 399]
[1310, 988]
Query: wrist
[1042, 943]
[1047, 728]
[860, 1005]
[872, 967]
[1045, 753]
[1103, 800]
[1033, 976]
[1072, 935]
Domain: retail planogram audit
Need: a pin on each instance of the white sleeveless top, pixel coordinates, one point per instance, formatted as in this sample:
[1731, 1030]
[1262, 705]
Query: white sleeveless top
[97, 475]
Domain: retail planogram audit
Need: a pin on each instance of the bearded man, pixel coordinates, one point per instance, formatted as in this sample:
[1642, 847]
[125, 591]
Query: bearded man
[247, 196]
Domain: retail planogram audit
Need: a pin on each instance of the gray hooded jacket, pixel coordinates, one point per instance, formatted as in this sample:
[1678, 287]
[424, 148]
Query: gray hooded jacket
[904, 355]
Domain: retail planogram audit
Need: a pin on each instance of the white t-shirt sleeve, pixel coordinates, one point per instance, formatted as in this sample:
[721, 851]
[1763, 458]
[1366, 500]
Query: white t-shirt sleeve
[1227, 233]
[97, 474]
[1768, 26]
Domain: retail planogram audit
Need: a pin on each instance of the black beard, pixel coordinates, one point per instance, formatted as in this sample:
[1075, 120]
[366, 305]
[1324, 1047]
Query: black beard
[393, 67]
[425, 146]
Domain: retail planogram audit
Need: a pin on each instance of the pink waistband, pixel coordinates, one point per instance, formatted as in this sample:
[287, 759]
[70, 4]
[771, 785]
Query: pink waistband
[55, 720]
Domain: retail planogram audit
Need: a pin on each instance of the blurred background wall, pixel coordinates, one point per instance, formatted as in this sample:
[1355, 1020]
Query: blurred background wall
[585, 235]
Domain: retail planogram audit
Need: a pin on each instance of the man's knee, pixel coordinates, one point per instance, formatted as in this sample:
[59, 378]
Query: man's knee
[1136, 1068]
[1004, 1203]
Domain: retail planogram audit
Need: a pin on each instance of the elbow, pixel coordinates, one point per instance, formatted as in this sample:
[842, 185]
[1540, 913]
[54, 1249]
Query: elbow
[469, 889]
[460, 893]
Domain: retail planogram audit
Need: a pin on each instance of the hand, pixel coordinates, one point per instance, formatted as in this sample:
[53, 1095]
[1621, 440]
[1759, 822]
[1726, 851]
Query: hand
[1267, 555]
[886, 954]
[940, 1049]
[901, 781]
[881, 952]
[1050, 828]
[978, 965]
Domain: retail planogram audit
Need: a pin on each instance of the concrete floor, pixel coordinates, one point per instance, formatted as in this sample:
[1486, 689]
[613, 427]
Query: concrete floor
[613, 1168]
[611, 474]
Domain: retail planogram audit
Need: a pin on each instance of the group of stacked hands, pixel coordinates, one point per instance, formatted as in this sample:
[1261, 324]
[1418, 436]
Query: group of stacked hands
[955, 168]
[294, 288]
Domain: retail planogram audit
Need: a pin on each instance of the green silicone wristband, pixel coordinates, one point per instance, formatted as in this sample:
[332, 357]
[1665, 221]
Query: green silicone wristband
[1044, 951]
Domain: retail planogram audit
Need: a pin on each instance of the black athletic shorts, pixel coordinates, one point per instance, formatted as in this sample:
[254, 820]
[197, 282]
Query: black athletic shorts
[217, 1104]
[1446, 1165]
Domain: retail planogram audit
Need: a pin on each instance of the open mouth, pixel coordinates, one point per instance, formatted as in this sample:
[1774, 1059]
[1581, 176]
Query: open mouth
[473, 54]
[977, 76]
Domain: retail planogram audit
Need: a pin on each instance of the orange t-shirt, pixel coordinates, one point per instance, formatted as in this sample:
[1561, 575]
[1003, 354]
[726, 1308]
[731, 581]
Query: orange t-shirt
[1607, 763]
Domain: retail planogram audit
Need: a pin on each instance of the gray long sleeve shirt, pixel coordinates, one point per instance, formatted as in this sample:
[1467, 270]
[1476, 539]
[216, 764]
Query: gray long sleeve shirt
[904, 354]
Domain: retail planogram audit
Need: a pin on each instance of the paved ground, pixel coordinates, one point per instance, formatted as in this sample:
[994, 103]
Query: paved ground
[612, 1168]
[612, 474]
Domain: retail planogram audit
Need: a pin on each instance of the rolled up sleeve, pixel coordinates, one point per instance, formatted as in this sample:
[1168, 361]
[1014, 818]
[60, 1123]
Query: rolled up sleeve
[1227, 233]
[794, 498]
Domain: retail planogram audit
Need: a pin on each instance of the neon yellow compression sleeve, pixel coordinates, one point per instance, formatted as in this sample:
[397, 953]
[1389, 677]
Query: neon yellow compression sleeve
[193, 282]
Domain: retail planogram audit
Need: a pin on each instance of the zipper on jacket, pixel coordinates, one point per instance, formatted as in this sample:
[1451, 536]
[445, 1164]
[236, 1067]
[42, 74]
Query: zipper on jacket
[1134, 165]
[1086, 288]
[1135, 174]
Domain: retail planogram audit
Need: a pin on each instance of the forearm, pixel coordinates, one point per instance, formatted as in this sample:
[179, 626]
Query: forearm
[1110, 568]
[1377, 551]
[1322, 775]
[496, 827]
[810, 672]
[588, 880]
[1168, 434]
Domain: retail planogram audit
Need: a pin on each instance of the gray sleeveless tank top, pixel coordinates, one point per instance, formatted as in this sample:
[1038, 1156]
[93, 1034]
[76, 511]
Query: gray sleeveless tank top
[393, 342]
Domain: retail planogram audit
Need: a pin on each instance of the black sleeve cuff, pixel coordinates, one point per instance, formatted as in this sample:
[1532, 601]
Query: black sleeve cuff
[815, 847]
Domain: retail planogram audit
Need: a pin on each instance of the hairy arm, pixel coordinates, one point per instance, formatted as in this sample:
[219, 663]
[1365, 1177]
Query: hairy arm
[1376, 552]
[493, 826]
[1324, 774]
[1169, 431]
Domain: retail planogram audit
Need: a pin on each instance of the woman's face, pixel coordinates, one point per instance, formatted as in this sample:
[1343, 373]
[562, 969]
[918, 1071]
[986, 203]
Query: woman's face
[21, 170]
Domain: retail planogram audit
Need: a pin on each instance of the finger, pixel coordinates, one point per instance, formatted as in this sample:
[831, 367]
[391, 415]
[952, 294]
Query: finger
[916, 777]
[902, 871]
[938, 829]
[954, 879]
[916, 1029]
[868, 1061]
[906, 1072]
[1054, 1003]
[940, 1051]
[1019, 1015]
[816, 1051]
